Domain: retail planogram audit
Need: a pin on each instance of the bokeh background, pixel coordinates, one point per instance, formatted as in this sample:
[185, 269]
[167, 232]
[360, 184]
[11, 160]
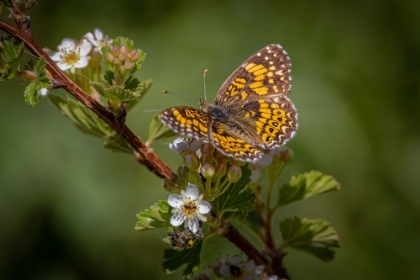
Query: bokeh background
[67, 206]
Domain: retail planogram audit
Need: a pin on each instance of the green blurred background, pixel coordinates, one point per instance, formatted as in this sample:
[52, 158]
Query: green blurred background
[67, 206]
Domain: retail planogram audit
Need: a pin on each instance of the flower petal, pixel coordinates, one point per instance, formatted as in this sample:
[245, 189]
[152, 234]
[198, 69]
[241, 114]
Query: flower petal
[85, 47]
[56, 56]
[196, 144]
[67, 43]
[63, 66]
[191, 192]
[179, 145]
[177, 219]
[193, 224]
[224, 270]
[204, 207]
[42, 91]
[89, 36]
[175, 200]
[249, 266]
[235, 260]
[98, 34]
[82, 62]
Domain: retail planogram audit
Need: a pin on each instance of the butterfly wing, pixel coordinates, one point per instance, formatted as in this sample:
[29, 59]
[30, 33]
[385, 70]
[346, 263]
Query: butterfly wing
[232, 144]
[266, 72]
[187, 121]
[272, 120]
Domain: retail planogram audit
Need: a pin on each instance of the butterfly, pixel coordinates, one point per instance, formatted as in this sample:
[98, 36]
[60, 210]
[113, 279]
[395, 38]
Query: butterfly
[251, 114]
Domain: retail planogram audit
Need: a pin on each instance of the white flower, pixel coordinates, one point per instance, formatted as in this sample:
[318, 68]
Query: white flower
[235, 268]
[42, 92]
[72, 55]
[189, 208]
[184, 144]
[98, 39]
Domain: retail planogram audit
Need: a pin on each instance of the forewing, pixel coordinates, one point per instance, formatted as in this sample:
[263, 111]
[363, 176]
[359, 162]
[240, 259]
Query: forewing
[187, 121]
[264, 73]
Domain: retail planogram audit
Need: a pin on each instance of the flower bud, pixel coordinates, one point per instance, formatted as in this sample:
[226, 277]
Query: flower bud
[128, 65]
[207, 170]
[109, 57]
[191, 161]
[173, 177]
[193, 177]
[207, 148]
[182, 172]
[116, 61]
[123, 49]
[115, 51]
[181, 182]
[122, 57]
[234, 174]
[133, 55]
[286, 155]
[170, 186]
[206, 158]
[221, 168]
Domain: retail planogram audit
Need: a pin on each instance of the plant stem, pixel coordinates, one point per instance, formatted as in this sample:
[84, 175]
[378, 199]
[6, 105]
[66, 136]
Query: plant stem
[143, 154]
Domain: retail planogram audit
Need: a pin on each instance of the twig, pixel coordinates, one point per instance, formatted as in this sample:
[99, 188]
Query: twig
[143, 154]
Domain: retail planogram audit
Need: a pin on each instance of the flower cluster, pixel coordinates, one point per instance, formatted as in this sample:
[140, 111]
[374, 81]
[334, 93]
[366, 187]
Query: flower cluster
[235, 268]
[73, 54]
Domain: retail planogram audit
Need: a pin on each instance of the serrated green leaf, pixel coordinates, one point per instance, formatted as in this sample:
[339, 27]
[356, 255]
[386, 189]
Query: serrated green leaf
[84, 119]
[237, 200]
[157, 216]
[11, 51]
[304, 186]
[173, 260]
[158, 131]
[315, 237]
[116, 93]
[30, 94]
[143, 88]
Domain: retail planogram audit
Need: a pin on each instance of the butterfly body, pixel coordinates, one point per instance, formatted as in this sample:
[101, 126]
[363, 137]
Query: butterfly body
[251, 114]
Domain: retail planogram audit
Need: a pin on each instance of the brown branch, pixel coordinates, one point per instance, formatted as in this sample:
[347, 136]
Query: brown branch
[141, 151]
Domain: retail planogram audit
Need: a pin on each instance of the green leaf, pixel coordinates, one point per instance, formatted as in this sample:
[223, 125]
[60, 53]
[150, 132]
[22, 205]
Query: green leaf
[304, 186]
[30, 94]
[116, 93]
[83, 118]
[143, 88]
[315, 237]
[172, 260]
[237, 200]
[157, 216]
[11, 51]
[158, 131]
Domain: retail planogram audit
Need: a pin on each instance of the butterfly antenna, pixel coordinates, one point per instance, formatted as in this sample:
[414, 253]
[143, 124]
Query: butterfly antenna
[183, 95]
[204, 81]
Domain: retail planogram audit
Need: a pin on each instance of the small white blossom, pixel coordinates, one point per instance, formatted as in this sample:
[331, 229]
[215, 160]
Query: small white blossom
[234, 267]
[42, 92]
[189, 208]
[72, 55]
[184, 144]
[98, 39]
